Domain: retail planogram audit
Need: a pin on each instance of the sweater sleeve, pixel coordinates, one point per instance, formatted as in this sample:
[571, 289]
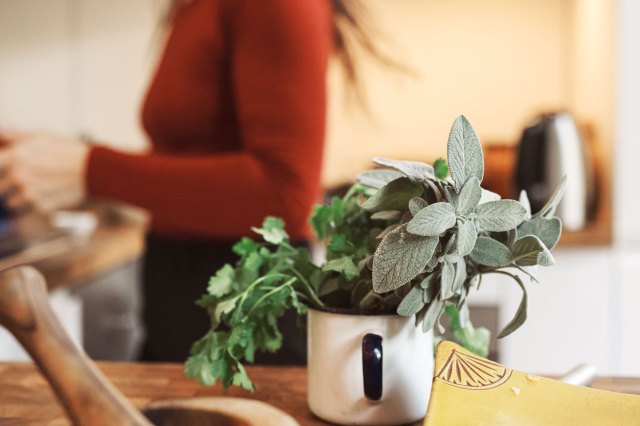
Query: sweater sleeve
[279, 51]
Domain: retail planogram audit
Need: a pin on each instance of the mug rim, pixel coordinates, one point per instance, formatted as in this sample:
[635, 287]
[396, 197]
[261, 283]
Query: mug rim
[354, 311]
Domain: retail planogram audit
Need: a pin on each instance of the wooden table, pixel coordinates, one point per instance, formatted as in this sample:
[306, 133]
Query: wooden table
[117, 240]
[25, 397]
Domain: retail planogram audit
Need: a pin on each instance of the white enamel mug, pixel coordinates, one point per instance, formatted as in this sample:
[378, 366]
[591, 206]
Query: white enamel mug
[368, 369]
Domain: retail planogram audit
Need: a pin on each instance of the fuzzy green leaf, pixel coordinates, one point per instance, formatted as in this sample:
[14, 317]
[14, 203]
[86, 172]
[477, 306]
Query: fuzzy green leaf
[461, 276]
[469, 196]
[433, 313]
[501, 215]
[399, 258]
[377, 178]
[490, 252]
[464, 152]
[447, 278]
[394, 196]
[467, 236]
[414, 170]
[416, 204]
[387, 215]
[521, 314]
[412, 302]
[488, 196]
[548, 230]
[433, 220]
[524, 200]
[529, 251]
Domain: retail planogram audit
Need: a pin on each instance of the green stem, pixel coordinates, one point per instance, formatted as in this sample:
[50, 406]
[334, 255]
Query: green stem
[269, 294]
[353, 190]
[435, 190]
[255, 283]
[307, 286]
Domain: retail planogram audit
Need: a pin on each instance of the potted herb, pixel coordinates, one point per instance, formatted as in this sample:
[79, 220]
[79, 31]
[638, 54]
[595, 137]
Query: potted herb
[405, 244]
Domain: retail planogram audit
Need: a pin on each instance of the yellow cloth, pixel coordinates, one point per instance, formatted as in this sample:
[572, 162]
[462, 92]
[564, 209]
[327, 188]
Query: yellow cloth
[470, 390]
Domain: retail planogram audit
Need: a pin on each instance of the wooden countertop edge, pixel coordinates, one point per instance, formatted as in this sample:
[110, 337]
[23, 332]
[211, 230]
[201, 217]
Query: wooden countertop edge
[67, 263]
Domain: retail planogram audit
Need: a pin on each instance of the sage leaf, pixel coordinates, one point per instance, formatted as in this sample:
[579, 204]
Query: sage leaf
[414, 170]
[387, 215]
[426, 283]
[416, 204]
[441, 329]
[446, 280]
[432, 220]
[452, 257]
[412, 302]
[529, 251]
[524, 200]
[393, 196]
[548, 230]
[490, 252]
[329, 286]
[469, 196]
[464, 152]
[512, 236]
[549, 208]
[521, 314]
[399, 258]
[461, 276]
[474, 281]
[450, 195]
[467, 236]
[432, 263]
[433, 313]
[488, 196]
[377, 178]
[386, 230]
[501, 215]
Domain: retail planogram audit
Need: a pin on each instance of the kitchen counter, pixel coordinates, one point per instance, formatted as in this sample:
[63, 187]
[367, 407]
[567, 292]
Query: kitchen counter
[25, 397]
[67, 262]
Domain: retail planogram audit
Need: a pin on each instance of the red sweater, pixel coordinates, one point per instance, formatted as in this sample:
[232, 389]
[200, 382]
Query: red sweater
[236, 118]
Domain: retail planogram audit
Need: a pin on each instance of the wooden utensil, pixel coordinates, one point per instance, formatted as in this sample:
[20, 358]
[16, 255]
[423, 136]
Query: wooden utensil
[87, 396]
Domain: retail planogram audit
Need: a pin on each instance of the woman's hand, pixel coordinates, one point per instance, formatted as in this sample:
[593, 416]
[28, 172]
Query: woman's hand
[41, 171]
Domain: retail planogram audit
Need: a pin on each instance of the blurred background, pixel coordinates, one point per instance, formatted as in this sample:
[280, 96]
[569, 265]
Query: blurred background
[81, 67]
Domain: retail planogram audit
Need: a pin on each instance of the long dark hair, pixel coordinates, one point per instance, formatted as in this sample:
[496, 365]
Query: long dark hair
[352, 29]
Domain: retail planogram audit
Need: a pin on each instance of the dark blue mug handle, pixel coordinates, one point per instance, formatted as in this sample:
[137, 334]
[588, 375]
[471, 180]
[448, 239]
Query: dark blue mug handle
[372, 366]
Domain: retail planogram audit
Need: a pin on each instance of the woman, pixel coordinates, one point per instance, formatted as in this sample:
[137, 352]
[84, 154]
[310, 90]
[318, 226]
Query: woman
[236, 117]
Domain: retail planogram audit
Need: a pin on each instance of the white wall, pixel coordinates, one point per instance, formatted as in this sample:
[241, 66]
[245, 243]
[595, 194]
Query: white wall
[75, 66]
[78, 66]
[586, 307]
[627, 175]
[500, 62]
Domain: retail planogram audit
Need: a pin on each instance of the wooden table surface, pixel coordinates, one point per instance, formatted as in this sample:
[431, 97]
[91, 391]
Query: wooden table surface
[117, 240]
[25, 397]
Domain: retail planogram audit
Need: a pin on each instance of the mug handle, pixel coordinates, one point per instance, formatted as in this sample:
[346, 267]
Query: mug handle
[372, 366]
